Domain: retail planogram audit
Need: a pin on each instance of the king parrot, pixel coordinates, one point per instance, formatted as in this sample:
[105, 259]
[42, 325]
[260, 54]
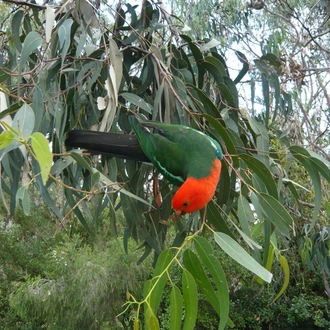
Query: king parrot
[186, 157]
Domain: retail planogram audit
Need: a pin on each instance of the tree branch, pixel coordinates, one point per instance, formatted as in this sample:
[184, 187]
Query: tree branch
[25, 3]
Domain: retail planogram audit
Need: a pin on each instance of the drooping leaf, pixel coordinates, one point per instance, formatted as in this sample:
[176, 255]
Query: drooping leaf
[23, 196]
[234, 250]
[154, 288]
[74, 205]
[16, 26]
[286, 270]
[262, 171]
[215, 218]
[151, 321]
[50, 18]
[303, 156]
[189, 289]
[176, 303]
[245, 68]
[64, 35]
[261, 138]
[195, 268]
[32, 41]
[212, 264]
[275, 212]
[40, 147]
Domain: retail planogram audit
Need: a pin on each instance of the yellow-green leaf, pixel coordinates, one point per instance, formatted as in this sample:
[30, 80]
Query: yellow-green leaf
[136, 324]
[189, 289]
[6, 137]
[286, 270]
[194, 266]
[176, 308]
[40, 147]
[152, 322]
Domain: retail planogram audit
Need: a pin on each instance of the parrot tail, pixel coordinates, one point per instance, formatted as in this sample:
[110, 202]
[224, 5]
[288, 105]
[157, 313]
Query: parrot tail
[110, 144]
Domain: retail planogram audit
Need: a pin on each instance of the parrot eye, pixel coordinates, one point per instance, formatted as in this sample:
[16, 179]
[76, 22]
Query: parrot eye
[185, 203]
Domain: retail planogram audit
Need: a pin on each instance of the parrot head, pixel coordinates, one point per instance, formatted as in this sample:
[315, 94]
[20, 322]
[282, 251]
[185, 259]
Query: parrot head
[195, 193]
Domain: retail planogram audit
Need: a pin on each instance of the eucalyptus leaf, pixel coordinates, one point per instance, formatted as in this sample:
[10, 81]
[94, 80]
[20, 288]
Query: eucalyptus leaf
[40, 146]
[189, 288]
[234, 250]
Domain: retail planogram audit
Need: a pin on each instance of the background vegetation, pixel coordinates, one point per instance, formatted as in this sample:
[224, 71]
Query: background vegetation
[254, 76]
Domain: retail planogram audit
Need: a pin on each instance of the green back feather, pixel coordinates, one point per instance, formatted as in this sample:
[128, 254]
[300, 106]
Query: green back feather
[176, 151]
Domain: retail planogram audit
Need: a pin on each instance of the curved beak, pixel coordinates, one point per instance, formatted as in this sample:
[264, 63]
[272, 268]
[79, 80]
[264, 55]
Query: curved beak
[179, 213]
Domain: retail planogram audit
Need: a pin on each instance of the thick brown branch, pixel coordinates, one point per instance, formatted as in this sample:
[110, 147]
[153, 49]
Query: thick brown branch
[25, 3]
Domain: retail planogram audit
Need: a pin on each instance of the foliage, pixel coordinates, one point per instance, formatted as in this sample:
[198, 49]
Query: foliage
[67, 69]
[83, 288]
[297, 33]
[64, 282]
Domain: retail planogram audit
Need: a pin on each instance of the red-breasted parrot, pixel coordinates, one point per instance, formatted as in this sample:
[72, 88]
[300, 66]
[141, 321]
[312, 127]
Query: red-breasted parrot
[186, 157]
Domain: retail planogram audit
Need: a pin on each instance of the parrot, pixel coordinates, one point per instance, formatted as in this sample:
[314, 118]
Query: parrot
[185, 156]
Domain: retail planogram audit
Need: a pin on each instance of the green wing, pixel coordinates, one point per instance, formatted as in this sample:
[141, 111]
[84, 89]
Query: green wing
[176, 151]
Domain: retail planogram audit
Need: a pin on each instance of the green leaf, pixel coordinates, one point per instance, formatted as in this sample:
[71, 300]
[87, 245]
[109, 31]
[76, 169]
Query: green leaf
[16, 24]
[199, 59]
[151, 321]
[303, 156]
[6, 137]
[322, 167]
[224, 186]
[4, 75]
[175, 308]
[23, 196]
[154, 288]
[84, 162]
[275, 212]
[40, 146]
[194, 266]
[212, 264]
[22, 127]
[72, 203]
[189, 289]
[163, 262]
[245, 68]
[61, 164]
[50, 19]
[262, 171]
[207, 65]
[138, 101]
[24, 120]
[286, 271]
[64, 35]
[225, 137]
[115, 186]
[32, 41]
[234, 250]
[202, 101]
[215, 218]
[245, 215]
[274, 61]
[262, 139]
[136, 324]
[228, 97]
